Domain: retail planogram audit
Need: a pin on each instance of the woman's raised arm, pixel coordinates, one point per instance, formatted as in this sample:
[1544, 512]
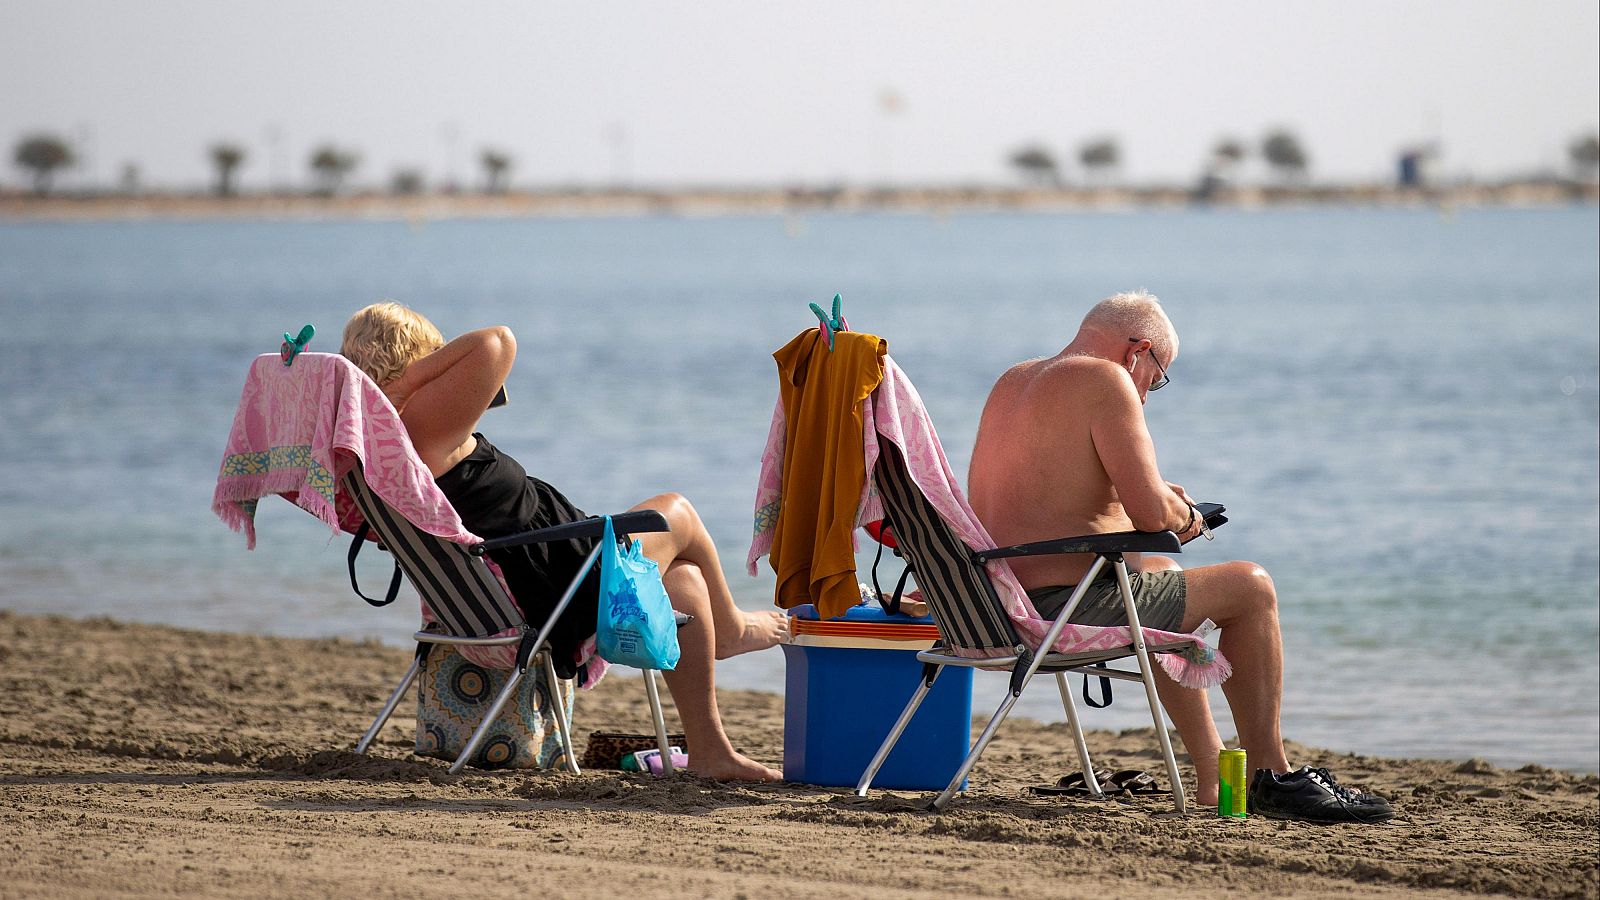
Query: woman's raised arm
[441, 395]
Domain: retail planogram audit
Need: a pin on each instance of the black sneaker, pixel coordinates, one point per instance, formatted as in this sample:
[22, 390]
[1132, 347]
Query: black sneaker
[1311, 795]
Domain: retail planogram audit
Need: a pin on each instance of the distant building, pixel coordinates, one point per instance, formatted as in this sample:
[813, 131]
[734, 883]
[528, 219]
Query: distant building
[1411, 170]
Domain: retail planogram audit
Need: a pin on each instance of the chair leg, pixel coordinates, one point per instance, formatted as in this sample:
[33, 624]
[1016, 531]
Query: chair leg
[977, 750]
[659, 720]
[389, 707]
[488, 721]
[559, 710]
[1179, 801]
[1078, 740]
[923, 685]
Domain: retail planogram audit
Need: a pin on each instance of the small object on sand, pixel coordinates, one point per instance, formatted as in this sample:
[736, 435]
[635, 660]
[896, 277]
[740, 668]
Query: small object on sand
[650, 761]
[1127, 782]
[1073, 785]
[1233, 788]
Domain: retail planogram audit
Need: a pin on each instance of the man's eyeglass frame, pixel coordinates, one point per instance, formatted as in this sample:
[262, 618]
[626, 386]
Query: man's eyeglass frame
[1161, 382]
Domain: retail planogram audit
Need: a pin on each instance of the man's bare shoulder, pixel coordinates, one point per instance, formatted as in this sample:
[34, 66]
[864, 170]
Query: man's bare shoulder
[1062, 379]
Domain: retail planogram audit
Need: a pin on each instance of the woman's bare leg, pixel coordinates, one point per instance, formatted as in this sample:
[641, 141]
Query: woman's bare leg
[734, 630]
[693, 684]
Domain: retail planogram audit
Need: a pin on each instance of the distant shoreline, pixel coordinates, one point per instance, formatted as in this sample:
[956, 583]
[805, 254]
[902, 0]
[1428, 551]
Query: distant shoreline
[626, 202]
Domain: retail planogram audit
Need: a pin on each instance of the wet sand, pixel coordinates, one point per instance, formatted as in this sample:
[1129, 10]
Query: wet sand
[140, 760]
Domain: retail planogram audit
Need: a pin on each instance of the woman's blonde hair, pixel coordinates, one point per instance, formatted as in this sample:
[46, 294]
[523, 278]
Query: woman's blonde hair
[384, 338]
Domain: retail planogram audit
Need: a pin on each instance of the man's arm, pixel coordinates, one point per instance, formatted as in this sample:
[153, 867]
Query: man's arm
[1128, 455]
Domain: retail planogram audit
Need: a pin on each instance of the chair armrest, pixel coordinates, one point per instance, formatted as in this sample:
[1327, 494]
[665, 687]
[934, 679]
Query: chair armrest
[627, 523]
[1115, 542]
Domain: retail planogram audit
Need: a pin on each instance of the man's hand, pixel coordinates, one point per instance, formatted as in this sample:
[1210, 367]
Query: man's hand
[1196, 521]
[1193, 531]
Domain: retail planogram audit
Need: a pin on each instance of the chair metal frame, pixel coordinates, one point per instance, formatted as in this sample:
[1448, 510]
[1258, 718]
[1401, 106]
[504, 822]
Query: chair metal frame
[531, 645]
[1025, 663]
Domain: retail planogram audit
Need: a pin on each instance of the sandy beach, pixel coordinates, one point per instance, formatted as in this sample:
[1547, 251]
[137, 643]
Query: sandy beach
[142, 760]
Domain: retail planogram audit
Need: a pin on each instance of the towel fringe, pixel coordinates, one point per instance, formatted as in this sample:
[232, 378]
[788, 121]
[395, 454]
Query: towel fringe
[235, 499]
[1191, 674]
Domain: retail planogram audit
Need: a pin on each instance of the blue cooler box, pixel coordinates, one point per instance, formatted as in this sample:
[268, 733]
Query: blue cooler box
[846, 683]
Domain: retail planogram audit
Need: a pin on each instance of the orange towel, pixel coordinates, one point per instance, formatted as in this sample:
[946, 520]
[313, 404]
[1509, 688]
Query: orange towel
[823, 466]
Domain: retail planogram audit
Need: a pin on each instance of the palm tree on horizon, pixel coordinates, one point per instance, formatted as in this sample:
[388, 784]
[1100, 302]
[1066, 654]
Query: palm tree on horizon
[43, 154]
[1037, 165]
[1227, 153]
[1584, 152]
[1100, 157]
[329, 166]
[496, 166]
[227, 157]
[1282, 151]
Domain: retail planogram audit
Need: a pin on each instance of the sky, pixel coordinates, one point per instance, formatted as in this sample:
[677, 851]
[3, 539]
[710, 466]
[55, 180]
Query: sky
[768, 93]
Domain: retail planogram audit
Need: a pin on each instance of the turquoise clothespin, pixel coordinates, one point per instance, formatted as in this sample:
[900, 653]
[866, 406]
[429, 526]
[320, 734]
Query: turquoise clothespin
[831, 324]
[293, 345]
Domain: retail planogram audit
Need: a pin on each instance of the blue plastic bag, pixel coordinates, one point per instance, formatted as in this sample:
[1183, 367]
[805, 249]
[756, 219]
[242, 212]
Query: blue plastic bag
[636, 624]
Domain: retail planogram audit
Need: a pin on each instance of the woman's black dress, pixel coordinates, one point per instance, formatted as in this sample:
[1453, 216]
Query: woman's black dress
[496, 497]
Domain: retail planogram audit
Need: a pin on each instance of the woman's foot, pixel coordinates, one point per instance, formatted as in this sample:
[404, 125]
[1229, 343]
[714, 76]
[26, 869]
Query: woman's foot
[737, 767]
[759, 631]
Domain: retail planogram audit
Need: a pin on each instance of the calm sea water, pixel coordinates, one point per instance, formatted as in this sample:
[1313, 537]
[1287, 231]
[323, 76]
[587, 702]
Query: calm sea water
[1399, 409]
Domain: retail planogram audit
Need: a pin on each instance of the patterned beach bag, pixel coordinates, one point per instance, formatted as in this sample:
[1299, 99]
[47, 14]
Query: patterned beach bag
[453, 693]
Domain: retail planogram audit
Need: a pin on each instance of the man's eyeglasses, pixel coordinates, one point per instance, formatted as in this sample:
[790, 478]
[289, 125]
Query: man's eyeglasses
[1161, 382]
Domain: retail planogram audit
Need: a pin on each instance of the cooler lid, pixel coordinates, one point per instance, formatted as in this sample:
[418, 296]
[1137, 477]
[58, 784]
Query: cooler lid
[865, 611]
[866, 620]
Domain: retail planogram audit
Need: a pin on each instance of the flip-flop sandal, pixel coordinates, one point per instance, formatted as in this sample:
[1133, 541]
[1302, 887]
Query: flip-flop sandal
[1136, 782]
[1075, 785]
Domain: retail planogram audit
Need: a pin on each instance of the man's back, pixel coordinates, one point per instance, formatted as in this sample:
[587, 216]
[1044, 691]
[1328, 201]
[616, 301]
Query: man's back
[1036, 473]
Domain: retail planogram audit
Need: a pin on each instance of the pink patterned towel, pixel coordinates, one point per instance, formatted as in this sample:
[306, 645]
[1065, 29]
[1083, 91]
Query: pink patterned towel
[897, 414]
[300, 428]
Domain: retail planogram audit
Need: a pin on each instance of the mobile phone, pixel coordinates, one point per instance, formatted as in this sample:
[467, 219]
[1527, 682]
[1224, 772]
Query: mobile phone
[1212, 514]
[499, 398]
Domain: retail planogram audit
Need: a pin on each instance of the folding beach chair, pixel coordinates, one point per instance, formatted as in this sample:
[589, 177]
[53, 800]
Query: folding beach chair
[971, 617]
[472, 609]
[304, 426]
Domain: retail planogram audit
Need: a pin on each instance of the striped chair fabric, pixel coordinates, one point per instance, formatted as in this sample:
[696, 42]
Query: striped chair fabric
[457, 587]
[958, 590]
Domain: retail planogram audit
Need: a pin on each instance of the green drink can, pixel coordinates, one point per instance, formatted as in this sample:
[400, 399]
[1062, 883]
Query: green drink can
[1233, 775]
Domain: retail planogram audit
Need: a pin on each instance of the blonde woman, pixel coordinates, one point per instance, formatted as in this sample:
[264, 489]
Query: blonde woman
[440, 389]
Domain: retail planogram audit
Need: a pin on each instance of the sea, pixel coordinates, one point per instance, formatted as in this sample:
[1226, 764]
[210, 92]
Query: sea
[1399, 408]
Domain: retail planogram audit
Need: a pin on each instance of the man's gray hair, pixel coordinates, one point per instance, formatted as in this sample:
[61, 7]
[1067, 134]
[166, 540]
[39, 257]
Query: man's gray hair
[1135, 314]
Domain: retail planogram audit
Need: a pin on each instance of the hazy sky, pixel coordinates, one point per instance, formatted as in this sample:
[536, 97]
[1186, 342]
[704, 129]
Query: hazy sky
[769, 92]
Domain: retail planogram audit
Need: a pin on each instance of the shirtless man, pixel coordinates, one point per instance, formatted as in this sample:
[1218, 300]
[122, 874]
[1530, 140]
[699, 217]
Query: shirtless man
[1063, 449]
